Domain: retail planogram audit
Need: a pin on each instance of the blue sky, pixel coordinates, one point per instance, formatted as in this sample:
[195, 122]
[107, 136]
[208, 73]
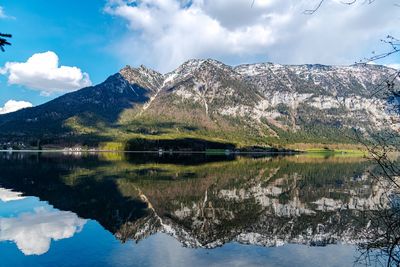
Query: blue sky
[77, 31]
[95, 38]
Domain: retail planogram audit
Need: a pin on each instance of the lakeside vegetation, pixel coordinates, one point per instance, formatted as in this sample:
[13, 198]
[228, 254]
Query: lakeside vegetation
[140, 132]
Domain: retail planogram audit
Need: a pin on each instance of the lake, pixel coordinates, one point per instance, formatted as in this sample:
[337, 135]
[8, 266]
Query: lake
[127, 209]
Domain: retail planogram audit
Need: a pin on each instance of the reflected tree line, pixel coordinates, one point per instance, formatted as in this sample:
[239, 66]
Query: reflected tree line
[208, 201]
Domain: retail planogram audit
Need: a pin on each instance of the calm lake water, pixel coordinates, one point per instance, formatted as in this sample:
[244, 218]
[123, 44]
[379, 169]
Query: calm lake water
[112, 209]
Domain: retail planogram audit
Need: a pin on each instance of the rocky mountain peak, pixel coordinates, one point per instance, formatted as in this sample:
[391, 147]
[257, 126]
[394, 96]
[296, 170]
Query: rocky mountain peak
[196, 65]
[143, 77]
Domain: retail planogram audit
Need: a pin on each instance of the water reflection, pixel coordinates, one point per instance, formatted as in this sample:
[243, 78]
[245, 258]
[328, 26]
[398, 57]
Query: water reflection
[33, 231]
[7, 195]
[203, 201]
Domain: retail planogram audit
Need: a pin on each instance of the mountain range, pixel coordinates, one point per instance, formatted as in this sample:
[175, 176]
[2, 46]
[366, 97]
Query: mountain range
[208, 103]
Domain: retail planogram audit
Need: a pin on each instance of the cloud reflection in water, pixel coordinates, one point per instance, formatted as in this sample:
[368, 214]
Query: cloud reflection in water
[33, 231]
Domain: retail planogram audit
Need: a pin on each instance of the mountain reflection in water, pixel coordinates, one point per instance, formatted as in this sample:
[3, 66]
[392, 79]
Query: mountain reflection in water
[203, 201]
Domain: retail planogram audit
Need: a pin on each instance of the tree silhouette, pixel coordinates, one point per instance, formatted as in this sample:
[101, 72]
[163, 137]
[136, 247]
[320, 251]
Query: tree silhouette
[381, 244]
[4, 41]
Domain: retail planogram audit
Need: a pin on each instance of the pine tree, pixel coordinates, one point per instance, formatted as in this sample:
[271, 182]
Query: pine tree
[4, 41]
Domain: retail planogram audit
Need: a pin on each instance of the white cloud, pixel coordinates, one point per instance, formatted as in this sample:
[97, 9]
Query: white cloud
[7, 195]
[42, 72]
[164, 33]
[13, 105]
[3, 14]
[394, 66]
[33, 231]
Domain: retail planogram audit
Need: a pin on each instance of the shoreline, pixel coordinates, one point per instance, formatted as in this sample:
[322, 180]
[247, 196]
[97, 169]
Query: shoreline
[289, 152]
[148, 151]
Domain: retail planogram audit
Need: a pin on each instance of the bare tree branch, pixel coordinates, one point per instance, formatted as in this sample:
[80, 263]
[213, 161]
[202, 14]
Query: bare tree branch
[321, 2]
[312, 11]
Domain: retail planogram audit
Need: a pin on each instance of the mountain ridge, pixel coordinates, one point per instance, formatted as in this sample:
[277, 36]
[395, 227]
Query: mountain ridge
[252, 104]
